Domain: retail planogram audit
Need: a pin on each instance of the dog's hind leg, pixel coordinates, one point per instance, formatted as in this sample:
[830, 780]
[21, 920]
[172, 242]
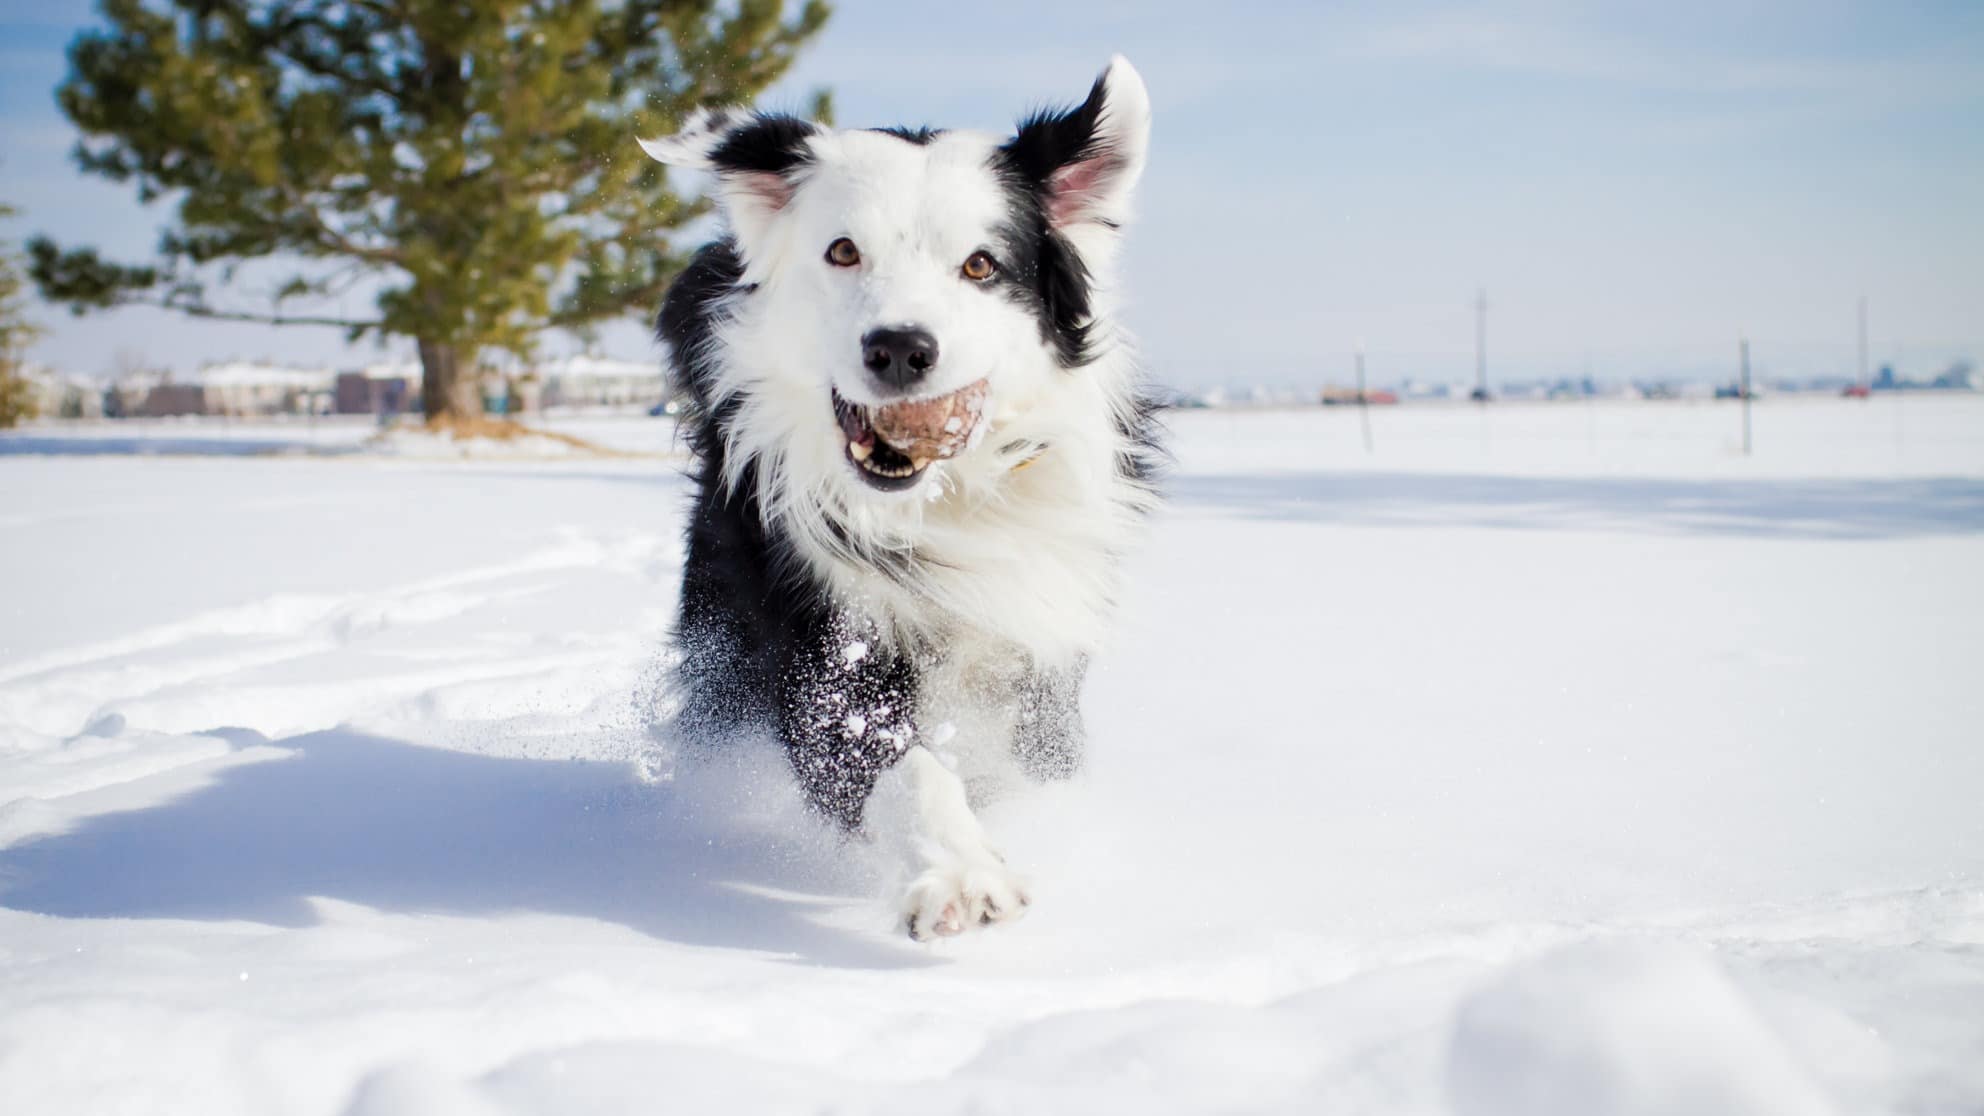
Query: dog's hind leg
[1047, 728]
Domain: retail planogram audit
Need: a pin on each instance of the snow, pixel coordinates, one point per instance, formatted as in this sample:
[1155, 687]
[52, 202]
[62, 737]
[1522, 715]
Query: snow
[1549, 759]
[413, 441]
[1628, 1030]
[327, 436]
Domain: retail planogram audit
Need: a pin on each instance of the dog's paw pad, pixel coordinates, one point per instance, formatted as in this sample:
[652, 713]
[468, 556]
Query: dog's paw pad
[945, 902]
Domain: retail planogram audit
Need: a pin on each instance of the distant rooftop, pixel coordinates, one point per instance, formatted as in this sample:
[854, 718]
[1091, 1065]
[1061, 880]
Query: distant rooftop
[241, 373]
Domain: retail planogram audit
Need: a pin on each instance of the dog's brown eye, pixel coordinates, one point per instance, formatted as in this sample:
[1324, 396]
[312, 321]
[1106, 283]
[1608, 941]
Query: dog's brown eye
[978, 267]
[843, 253]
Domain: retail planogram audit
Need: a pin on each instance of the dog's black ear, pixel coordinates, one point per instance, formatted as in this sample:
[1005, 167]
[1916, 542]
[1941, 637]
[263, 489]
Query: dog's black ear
[1084, 162]
[756, 158]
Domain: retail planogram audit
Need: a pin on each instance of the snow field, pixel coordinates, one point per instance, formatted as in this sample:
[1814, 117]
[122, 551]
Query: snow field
[1582, 767]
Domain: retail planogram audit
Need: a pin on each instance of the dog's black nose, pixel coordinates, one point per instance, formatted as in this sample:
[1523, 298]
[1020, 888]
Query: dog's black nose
[899, 357]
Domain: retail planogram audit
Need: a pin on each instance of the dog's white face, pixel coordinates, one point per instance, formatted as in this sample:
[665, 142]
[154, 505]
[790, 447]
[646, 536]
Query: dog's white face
[890, 273]
[910, 292]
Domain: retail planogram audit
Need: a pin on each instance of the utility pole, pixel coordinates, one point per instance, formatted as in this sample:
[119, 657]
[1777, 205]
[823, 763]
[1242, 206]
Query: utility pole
[1363, 399]
[1864, 381]
[1590, 393]
[1744, 388]
[1481, 346]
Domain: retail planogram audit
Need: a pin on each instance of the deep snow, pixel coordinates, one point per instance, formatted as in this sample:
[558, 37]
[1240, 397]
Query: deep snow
[1551, 759]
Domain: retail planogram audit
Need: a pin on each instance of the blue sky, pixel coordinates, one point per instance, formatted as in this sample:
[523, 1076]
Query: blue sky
[1635, 185]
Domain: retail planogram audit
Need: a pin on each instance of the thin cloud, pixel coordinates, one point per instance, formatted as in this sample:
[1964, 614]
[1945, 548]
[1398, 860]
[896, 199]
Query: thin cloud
[1465, 40]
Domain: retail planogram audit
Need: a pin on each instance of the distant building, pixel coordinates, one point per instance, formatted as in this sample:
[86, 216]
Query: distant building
[590, 381]
[236, 388]
[360, 393]
[1342, 396]
[244, 388]
[1960, 376]
[59, 395]
[1433, 389]
[126, 397]
[173, 401]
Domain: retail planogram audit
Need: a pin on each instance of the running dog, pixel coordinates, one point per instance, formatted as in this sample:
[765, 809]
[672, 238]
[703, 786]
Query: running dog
[922, 450]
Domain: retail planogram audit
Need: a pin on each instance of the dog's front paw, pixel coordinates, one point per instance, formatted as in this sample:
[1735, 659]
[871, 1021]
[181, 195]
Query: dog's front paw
[943, 902]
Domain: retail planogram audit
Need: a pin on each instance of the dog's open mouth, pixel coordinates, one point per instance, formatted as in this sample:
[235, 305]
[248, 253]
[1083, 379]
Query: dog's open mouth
[891, 445]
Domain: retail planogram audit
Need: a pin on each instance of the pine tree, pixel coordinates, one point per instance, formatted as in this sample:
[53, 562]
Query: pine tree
[476, 156]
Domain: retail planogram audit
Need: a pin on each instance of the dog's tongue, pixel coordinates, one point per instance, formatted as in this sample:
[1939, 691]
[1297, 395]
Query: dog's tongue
[927, 429]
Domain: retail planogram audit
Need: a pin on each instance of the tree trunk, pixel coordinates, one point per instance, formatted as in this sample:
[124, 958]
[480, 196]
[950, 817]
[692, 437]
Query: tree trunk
[449, 388]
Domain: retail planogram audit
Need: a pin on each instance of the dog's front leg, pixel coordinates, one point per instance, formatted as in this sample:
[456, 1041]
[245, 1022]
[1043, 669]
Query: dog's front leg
[847, 713]
[958, 880]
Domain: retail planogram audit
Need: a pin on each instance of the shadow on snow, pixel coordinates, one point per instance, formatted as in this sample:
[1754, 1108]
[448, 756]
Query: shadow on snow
[411, 829]
[1792, 509]
[192, 445]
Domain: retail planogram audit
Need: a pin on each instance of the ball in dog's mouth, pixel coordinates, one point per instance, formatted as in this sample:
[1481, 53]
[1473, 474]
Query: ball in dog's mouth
[892, 444]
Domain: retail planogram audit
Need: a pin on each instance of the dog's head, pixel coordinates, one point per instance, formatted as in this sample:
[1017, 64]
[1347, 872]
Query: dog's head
[910, 289]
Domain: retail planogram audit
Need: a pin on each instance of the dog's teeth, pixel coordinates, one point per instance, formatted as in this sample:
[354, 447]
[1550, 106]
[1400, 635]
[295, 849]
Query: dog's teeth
[863, 454]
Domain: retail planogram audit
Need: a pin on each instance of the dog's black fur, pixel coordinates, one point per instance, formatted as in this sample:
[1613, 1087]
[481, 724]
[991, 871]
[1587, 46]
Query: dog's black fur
[763, 644]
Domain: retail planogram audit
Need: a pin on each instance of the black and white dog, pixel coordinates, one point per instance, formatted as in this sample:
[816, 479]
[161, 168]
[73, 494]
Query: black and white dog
[922, 449]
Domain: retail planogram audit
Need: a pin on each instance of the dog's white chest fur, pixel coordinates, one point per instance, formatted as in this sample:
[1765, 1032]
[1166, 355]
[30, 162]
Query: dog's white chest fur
[1016, 549]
